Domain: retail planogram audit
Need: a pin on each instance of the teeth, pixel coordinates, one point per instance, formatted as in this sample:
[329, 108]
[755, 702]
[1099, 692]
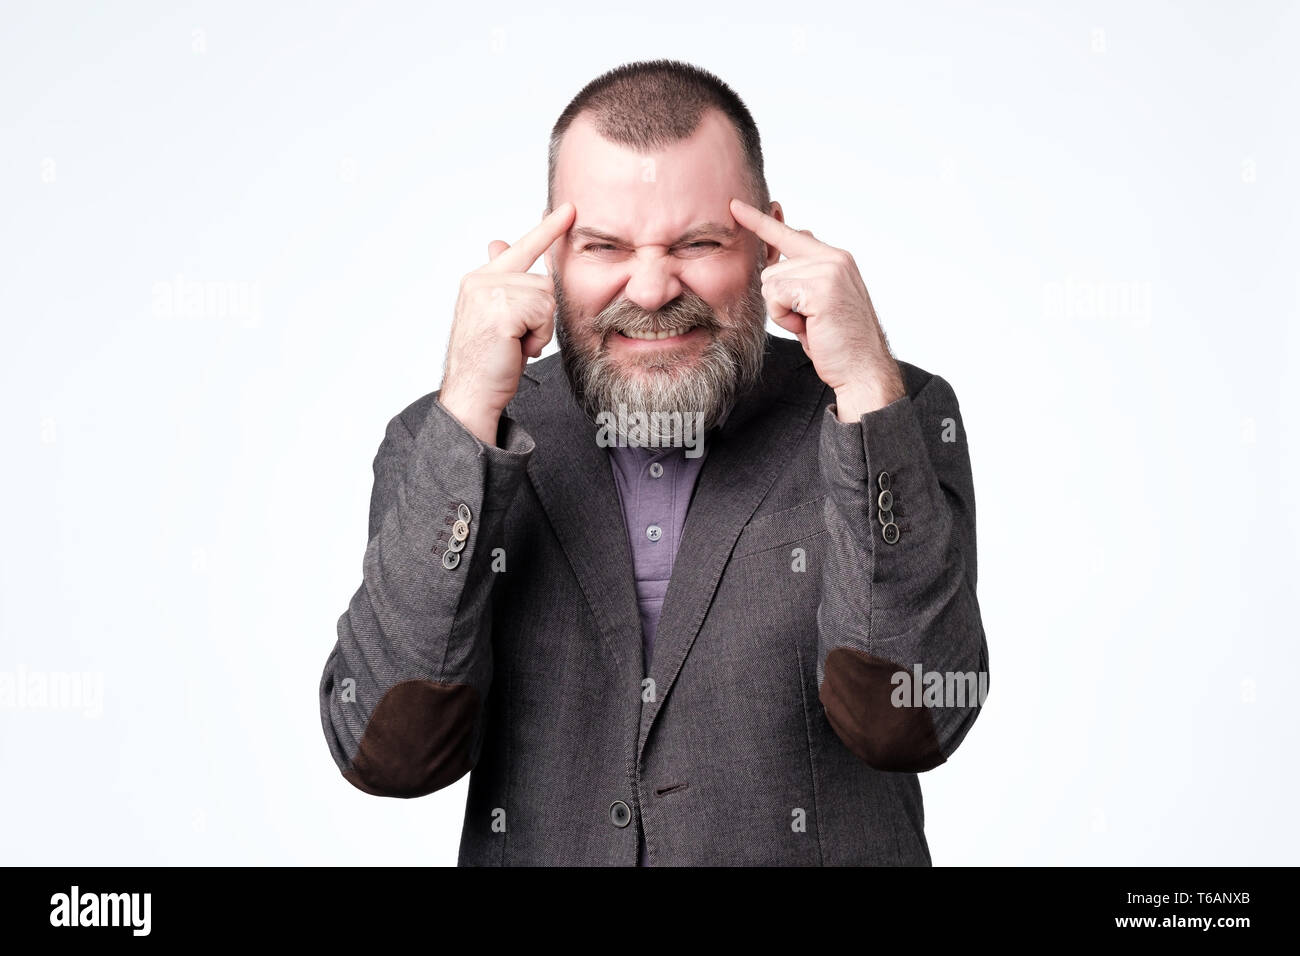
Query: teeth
[654, 336]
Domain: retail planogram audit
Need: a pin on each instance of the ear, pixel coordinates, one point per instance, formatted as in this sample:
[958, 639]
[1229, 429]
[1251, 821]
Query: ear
[549, 257]
[773, 254]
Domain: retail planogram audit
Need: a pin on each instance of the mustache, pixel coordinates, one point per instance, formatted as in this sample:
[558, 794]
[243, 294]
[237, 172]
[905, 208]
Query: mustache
[687, 310]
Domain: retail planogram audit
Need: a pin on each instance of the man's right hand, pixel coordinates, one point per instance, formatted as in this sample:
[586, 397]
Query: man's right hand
[504, 315]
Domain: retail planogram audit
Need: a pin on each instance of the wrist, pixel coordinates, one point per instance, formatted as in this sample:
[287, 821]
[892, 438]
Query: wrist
[480, 420]
[852, 401]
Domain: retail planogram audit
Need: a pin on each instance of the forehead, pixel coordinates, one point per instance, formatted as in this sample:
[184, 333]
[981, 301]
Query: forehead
[652, 196]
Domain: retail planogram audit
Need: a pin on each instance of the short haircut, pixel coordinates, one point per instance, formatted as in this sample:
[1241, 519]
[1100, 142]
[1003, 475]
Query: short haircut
[651, 104]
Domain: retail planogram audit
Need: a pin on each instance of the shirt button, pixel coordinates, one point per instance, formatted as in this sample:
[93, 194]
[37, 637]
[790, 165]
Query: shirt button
[656, 470]
[619, 814]
[654, 532]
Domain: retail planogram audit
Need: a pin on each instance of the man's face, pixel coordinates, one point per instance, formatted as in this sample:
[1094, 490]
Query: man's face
[657, 287]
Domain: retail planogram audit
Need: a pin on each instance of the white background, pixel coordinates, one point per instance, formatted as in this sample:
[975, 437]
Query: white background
[1085, 218]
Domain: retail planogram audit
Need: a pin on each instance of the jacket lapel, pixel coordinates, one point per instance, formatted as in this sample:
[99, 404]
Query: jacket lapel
[744, 459]
[573, 479]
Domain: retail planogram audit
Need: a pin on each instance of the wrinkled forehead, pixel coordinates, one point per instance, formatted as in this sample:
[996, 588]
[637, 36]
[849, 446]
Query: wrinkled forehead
[650, 196]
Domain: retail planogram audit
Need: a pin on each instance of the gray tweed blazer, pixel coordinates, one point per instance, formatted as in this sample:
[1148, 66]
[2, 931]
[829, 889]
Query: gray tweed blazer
[820, 643]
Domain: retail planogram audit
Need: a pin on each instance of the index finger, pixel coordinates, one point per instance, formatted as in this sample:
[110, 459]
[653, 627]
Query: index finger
[774, 232]
[521, 256]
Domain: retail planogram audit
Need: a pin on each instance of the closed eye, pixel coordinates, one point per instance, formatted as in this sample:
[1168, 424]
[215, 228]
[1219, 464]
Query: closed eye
[605, 246]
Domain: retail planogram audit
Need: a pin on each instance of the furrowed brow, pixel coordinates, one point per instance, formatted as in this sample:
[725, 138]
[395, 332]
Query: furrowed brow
[705, 230]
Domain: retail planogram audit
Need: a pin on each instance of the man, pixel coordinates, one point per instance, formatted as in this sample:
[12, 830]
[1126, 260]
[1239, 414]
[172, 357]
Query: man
[684, 593]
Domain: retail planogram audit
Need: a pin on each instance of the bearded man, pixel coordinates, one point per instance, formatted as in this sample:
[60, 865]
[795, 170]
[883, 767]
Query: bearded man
[684, 592]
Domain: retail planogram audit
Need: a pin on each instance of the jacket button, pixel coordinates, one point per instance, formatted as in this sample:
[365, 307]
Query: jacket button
[456, 544]
[889, 532]
[886, 500]
[885, 517]
[460, 530]
[619, 813]
[450, 559]
[462, 512]
[883, 481]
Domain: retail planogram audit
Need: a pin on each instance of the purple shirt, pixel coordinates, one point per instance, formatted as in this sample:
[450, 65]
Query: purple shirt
[655, 486]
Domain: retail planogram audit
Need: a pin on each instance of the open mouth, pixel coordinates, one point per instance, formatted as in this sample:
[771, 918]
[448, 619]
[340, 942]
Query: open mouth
[657, 336]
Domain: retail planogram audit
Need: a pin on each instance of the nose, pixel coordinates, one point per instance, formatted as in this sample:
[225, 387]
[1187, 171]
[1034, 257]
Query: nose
[653, 282]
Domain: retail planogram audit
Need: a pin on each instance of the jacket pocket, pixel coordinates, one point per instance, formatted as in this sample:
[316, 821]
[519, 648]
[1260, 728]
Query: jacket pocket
[786, 526]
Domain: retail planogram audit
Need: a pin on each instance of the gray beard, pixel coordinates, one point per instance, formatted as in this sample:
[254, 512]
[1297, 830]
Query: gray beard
[662, 388]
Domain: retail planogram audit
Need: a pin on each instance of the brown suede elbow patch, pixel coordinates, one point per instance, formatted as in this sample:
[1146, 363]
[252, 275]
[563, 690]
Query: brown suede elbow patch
[856, 692]
[417, 740]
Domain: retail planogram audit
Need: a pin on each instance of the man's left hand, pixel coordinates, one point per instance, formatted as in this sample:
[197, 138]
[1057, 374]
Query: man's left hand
[817, 293]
